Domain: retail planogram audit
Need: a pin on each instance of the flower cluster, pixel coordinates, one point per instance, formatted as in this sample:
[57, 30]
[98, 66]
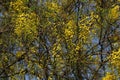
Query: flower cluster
[69, 30]
[115, 58]
[109, 76]
[114, 13]
[18, 6]
[26, 24]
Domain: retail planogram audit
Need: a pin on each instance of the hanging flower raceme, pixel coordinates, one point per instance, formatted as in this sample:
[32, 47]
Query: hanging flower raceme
[26, 24]
[70, 29]
[115, 59]
[109, 76]
[114, 13]
[25, 20]
[18, 6]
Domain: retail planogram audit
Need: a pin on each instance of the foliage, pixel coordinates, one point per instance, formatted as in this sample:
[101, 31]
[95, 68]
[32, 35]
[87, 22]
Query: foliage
[59, 39]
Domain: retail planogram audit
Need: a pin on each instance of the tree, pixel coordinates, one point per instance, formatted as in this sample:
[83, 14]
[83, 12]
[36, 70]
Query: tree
[59, 39]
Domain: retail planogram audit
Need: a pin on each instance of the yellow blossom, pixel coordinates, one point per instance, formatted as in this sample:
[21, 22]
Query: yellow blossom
[114, 13]
[109, 76]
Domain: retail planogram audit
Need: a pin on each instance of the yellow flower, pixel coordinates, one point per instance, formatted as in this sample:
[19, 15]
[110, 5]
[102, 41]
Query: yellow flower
[19, 54]
[71, 24]
[109, 76]
[77, 47]
[18, 6]
[114, 13]
[26, 24]
[69, 33]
